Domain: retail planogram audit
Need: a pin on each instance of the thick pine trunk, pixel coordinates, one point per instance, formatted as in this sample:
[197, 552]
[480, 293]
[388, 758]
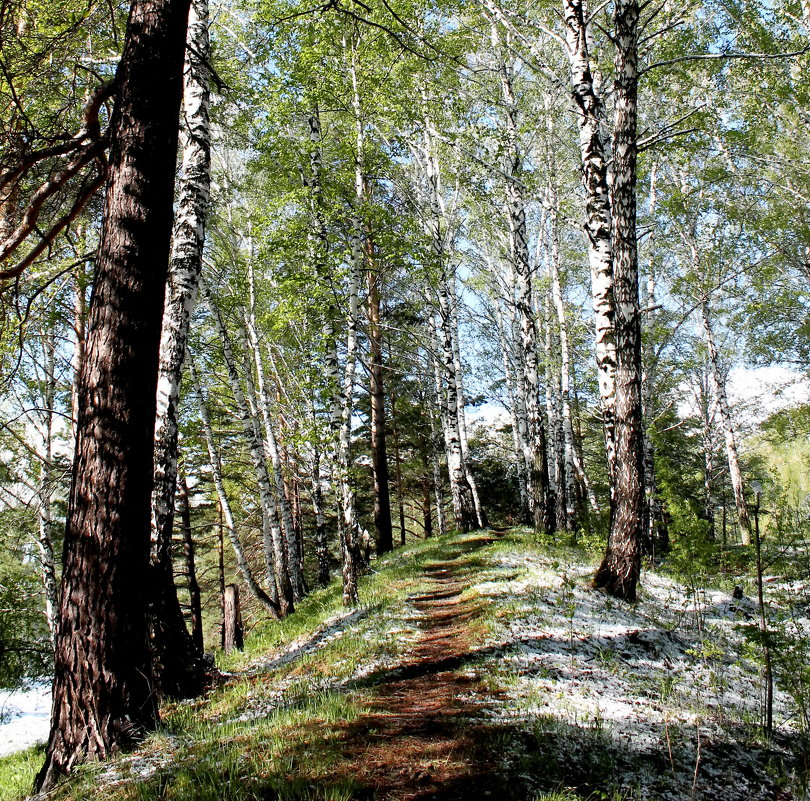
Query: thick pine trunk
[594, 149]
[176, 660]
[620, 568]
[103, 697]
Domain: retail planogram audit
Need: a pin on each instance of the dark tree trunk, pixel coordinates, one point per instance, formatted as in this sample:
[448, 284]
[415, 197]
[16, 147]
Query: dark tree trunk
[620, 568]
[195, 601]
[103, 697]
[383, 528]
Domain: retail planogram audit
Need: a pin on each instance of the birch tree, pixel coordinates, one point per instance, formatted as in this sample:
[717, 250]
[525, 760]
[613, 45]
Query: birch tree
[621, 566]
[176, 660]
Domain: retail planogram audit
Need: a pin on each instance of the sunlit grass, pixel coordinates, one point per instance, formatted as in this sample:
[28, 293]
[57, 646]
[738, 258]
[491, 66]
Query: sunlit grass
[17, 772]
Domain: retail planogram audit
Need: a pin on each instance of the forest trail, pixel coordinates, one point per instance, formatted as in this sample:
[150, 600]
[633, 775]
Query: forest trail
[477, 666]
[422, 737]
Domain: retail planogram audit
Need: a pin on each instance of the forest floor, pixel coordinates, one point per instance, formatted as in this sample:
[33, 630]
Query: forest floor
[476, 666]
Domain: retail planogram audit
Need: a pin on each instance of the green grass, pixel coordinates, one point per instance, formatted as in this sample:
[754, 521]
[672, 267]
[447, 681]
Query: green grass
[244, 742]
[17, 772]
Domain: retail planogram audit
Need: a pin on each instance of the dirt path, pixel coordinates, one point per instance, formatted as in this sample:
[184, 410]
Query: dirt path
[420, 739]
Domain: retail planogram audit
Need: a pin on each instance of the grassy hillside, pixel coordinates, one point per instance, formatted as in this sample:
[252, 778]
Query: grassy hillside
[476, 666]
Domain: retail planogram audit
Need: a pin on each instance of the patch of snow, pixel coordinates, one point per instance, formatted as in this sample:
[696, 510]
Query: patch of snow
[675, 665]
[27, 716]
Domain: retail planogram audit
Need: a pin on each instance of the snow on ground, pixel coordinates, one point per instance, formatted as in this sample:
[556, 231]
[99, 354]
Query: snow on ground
[668, 686]
[24, 717]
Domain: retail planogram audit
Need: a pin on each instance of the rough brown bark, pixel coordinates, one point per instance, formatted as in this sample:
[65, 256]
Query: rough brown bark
[103, 699]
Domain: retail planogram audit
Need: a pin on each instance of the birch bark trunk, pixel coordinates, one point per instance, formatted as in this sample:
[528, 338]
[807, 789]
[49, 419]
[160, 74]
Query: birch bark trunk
[215, 462]
[594, 146]
[446, 377]
[516, 414]
[195, 597]
[379, 456]
[275, 551]
[319, 248]
[176, 662]
[80, 338]
[349, 532]
[447, 390]
[657, 534]
[621, 566]
[271, 444]
[461, 402]
[556, 445]
[535, 445]
[569, 455]
[718, 386]
[707, 441]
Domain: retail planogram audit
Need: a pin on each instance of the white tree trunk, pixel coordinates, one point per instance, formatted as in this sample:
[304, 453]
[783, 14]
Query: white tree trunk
[215, 461]
[556, 439]
[594, 148]
[271, 444]
[446, 377]
[184, 271]
[461, 400]
[516, 414]
[718, 385]
[569, 455]
[275, 552]
[657, 533]
[349, 533]
[535, 445]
